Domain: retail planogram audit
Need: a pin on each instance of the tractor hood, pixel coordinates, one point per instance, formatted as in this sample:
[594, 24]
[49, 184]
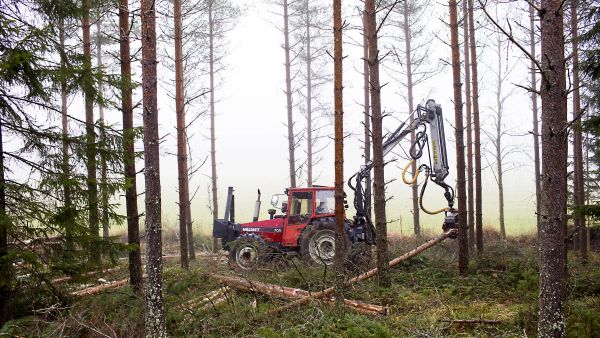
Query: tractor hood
[270, 225]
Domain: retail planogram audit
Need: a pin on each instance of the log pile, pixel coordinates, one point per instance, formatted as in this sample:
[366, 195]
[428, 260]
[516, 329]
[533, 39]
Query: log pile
[280, 291]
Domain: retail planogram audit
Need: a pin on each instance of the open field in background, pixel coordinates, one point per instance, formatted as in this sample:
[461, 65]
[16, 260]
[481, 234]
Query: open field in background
[428, 298]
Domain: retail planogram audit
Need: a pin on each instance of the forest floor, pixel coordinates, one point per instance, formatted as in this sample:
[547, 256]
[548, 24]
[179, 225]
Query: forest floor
[427, 299]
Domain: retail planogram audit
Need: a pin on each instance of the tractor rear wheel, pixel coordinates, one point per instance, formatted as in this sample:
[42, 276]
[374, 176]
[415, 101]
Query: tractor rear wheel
[317, 245]
[246, 253]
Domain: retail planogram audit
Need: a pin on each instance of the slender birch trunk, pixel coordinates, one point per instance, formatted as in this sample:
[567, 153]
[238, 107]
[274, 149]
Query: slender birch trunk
[213, 150]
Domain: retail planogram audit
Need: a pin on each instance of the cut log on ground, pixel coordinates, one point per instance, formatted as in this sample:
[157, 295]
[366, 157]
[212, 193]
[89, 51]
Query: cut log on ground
[97, 289]
[327, 292]
[293, 293]
[472, 321]
[91, 273]
[208, 299]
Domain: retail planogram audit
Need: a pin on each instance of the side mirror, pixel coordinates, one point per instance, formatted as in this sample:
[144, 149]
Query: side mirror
[283, 207]
[274, 200]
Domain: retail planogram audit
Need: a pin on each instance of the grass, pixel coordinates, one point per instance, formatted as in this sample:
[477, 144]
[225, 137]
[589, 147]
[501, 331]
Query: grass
[426, 294]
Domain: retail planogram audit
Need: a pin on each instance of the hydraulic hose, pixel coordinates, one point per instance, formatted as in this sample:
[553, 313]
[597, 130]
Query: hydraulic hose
[414, 178]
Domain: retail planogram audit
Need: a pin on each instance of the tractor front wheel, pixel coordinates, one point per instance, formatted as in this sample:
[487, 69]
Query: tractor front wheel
[246, 253]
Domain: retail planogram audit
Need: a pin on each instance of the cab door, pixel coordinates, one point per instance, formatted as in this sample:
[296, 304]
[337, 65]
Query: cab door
[300, 212]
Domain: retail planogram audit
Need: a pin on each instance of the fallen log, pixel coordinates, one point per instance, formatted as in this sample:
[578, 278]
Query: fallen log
[472, 321]
[210, 297]
[97, 289]
[293, 293]
[68, 278]
[368, 274]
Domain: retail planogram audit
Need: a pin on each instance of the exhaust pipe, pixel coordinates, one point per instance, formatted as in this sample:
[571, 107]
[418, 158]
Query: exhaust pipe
[256, 208]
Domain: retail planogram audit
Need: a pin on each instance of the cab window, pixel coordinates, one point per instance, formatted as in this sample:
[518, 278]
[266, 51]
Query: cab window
[301, 208]
[325, 202]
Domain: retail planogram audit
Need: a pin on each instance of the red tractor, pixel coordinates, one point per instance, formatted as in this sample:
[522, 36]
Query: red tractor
[306, 225]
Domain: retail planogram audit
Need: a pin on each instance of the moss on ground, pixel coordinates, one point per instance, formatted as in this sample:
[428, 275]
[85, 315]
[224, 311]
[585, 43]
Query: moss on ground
[426, 295]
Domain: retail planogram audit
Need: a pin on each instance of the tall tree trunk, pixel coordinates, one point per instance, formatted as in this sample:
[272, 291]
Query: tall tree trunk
[5, 264]
[133, 228]
[376, 122]
[184, 199]
[579, 192]
[367, 117]
[155, 314]
[554, 172]
[499, 112]
[534, 109]
[103, 167]
[66, 169]
[309, 140]
[213, 150]
[92, 184]
[340, 234]
[470, 203]
[463, 241]
[476, 132]
[288, 94]
[409, 87]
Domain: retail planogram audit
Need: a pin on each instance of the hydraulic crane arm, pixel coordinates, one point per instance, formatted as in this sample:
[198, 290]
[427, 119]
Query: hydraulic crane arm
[428, 115]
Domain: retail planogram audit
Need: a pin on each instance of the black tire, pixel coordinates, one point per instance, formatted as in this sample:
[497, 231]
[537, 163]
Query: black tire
[246, 253]
[317, 242]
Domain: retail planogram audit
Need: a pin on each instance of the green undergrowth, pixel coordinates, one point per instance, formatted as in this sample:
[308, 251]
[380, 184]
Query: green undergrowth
[426, 295]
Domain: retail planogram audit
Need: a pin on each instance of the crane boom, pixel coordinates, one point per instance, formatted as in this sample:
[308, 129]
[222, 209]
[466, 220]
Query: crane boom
[429, 115]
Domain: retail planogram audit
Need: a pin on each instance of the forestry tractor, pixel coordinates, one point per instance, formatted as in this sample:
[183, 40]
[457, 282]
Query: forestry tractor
[306, 225]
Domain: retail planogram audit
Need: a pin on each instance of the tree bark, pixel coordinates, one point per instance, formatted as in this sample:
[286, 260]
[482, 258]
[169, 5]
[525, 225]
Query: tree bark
[92, 184]
[367, 117]
[103, 167]
[409, 87]
[340, 234]
[534, 109]
[213, 151]
[476, 132]
[182, 169]
[469, 129]
[309, 137]
[5, 264]
[463, 241]
[155, 313]
[133, 228]
[190, 230]
[376, 122]
[579, 192]
[554, 172]
[288, 94]
[499, 112]
[66, 169]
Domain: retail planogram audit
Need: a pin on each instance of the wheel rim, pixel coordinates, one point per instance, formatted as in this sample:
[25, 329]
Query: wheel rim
[246, 257]
[322, 248]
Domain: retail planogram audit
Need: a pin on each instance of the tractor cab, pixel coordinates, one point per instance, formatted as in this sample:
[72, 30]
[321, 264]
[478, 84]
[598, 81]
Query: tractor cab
[301, 206]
